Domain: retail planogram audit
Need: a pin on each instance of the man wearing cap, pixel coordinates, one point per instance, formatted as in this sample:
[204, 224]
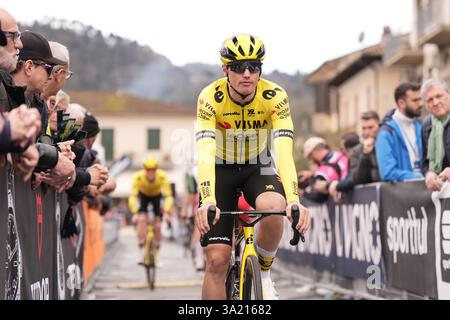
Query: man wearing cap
[34, 68]
[60, 72]
[19, 127]
[331, 166]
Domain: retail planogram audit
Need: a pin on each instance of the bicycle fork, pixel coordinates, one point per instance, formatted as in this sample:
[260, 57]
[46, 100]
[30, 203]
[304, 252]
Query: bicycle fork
[150, 238]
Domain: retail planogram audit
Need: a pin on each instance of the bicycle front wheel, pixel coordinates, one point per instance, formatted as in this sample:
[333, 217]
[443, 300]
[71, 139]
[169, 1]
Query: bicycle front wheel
[150, 265]
[232, 283]
[252, 286]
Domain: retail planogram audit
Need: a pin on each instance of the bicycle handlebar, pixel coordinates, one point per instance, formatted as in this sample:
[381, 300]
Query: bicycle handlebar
[295, 218]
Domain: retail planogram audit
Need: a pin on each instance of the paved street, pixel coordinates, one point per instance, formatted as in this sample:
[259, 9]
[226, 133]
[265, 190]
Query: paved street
[121, 278]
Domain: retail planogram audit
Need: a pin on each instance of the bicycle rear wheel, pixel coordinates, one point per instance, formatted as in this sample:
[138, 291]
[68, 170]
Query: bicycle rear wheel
[252, 286]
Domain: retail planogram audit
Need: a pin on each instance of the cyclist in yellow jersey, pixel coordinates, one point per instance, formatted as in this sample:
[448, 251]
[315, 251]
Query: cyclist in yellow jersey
[149, 185]
[236, 118]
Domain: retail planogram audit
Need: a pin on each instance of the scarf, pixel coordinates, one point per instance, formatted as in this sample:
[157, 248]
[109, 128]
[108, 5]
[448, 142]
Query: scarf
[436, 149]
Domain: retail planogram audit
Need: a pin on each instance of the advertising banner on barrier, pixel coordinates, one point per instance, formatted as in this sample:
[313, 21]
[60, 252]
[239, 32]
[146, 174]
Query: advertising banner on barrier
[13, 266]
[408, 220]
[72, 248]
[442, 242]
[36, 229]
[343, 238]
[3, 230]
[37, 263]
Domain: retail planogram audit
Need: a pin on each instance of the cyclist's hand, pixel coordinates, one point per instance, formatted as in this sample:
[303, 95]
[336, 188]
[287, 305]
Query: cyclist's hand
[305, 219]
[201, 218]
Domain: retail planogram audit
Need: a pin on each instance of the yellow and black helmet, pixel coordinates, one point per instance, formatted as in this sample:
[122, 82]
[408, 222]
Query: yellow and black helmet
[242, 47]
[150, 163]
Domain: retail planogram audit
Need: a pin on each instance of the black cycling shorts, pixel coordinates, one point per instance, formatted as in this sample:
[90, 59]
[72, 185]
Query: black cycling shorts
[154, 200]
[252, 180]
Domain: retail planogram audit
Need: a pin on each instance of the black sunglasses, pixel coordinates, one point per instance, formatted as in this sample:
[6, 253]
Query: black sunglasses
[241, 66]
[14, 35]
[48, 67]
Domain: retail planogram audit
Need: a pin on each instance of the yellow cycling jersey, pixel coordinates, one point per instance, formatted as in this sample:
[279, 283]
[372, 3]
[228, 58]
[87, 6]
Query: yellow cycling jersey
[239, 134]
[160, 185]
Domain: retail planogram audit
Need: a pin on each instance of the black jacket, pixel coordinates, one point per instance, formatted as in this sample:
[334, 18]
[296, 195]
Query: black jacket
[12, 96]
[363, 167]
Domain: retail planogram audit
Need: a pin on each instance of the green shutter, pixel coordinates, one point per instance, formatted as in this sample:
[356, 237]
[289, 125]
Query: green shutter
[153, 139]
[108, 143]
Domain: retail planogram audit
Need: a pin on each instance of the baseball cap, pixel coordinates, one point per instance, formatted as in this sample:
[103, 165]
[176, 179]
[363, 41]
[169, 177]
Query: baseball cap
[36, 47]
[311, 144]
[60, 51]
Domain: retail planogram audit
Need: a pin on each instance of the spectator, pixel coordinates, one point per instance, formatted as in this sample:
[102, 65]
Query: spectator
[9, 51]
[363, 163]
[19, 128]
[331, 166]
[76, 112]
[88, 172]
[26, 85]
[436, 134]
[348, 142]
[399, 142]
[34, 68]
[62, 101]
[60, 73]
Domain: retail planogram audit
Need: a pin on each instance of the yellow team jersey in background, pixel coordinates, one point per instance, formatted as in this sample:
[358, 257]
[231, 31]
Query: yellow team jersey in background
[238, 134]
[160, 185]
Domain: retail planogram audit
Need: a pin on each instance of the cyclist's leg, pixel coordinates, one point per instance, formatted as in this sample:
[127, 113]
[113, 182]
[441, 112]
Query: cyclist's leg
[142, 221]
[218, 252]
[266, 193]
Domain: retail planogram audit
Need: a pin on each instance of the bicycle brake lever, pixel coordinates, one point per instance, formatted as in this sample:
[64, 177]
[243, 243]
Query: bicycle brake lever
[295, 218]
[211, 216]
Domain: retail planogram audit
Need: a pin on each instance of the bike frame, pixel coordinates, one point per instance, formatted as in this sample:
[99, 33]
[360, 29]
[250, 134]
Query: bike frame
[248, 230]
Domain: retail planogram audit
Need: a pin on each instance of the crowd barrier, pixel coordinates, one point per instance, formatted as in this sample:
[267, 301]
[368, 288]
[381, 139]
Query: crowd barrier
[389, 236]
[393, 236]
[36, 261]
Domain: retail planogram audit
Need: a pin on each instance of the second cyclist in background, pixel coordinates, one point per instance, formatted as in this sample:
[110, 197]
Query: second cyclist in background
[150, 185]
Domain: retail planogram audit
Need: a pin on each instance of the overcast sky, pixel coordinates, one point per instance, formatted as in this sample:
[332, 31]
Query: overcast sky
[298, 34]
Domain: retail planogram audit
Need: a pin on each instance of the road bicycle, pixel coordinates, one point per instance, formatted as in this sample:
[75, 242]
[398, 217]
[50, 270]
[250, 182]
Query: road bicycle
[150, 257]
[150, 252]
[243, 281]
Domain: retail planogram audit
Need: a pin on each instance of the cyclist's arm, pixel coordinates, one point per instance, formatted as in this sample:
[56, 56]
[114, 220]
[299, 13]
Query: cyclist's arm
[133, 201]
[167, 194]
[283, 145]
[206, 143]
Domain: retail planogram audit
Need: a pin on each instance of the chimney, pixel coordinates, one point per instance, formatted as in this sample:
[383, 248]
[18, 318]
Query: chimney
[387, 34]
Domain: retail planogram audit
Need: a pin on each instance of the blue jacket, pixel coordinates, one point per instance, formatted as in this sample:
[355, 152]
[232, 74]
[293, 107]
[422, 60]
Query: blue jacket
[392, 154]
